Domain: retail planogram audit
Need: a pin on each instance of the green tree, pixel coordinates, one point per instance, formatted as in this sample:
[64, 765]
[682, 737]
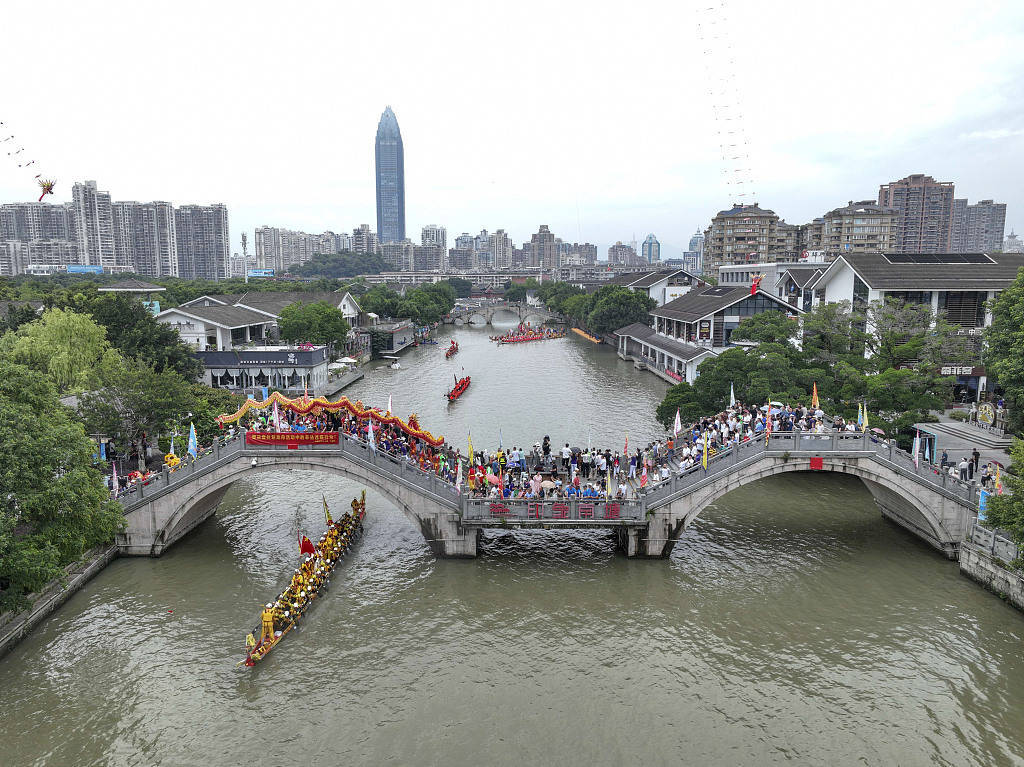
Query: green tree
[54, 504]
[767, 327]
[136, 333]
[615, 307]
[1004, 352]
[18, 314]
[71, 348]
[137, 402]
[318, 323]
[463, 288]
[1007, 510]
[344, 264]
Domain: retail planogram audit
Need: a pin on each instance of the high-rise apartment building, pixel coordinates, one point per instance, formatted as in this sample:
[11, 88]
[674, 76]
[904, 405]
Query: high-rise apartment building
[958, 226]
[398, 255]
[747, 234]
[986, 223]
[428, 258]
[578, 254]
[926, 213]
[390, 157]
[37, 221]
[434, 236]
[543, 249]
[461, 259]
[500, 246]
[364, 240]
[145, 237]
[204, 242]
[624, 255]
[28, 256]
[94, 225]
[280, 249]
[859, 227]
[651, 249]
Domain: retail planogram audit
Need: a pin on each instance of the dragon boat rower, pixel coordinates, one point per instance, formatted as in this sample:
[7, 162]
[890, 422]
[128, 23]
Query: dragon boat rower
[267, 624]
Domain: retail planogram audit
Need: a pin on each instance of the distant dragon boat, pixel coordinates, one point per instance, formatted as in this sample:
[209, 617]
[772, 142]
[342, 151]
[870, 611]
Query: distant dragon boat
[526, 337]
[451, 351]
[460, 386]
[309, 581]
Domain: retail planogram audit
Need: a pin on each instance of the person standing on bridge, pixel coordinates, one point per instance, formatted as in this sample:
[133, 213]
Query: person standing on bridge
[962, 468]
[975, 459]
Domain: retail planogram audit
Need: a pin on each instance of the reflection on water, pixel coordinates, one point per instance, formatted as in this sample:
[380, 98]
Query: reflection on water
[791, 625]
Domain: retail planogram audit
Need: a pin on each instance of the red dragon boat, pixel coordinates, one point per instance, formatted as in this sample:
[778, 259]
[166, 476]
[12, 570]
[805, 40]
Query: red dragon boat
[460, 386]
[451, 351]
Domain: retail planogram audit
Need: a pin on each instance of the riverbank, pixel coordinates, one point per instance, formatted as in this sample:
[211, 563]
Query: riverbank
[16, 626]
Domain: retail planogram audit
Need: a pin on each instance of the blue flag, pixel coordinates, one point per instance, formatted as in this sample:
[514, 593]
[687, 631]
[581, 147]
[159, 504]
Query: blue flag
[193, 443]
[266, 393]
[103, 450]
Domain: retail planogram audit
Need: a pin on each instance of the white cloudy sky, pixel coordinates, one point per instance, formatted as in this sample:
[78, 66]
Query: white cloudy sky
[597, 118]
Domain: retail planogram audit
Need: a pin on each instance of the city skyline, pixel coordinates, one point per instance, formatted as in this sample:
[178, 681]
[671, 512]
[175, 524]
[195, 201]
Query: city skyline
[498, 169]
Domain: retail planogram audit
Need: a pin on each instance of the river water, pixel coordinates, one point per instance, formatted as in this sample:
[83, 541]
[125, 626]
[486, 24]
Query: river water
[792, 624]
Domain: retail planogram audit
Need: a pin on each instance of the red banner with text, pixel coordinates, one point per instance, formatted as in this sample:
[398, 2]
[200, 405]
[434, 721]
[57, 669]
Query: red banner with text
[291, 438]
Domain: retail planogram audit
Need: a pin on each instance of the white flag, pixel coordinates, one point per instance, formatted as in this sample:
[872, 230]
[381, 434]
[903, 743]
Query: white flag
[678, 426]
[917, 449]
[369, 435]
[732, 396]
[389, 404]
[458, 477]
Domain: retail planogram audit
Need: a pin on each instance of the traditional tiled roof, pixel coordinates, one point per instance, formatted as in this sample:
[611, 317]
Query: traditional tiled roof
[698, 304]
[224, 316]
[938, 271]
[647, 334]
[800, 276]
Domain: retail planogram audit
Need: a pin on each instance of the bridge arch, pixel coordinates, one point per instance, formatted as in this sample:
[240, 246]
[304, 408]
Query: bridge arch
[922, 511]
[155, 526]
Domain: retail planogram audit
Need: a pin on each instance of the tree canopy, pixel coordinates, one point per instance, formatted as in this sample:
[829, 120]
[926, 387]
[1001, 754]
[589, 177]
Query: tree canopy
[608, 309]
[340, 265]
[424, 305]
[463, 288]
[318, 323]
[1004, 353]
[55, 505]
[900, 384]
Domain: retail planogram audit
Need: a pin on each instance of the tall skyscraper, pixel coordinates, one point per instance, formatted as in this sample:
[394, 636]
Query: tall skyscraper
[926, 213]
[390, 179]
[94, 224]
[651, 249]
[204, 243]
[145, 237]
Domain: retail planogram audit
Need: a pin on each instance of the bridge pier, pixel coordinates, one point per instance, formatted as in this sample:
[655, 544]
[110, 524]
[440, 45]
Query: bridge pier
[448, 539]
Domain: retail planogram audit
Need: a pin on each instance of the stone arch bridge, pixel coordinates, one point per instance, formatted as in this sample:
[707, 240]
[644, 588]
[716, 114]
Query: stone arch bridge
[933, 506]
[484, 315]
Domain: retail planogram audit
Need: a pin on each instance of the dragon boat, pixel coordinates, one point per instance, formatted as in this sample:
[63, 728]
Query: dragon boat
[451, 351]
[308, 582]
[460, 386]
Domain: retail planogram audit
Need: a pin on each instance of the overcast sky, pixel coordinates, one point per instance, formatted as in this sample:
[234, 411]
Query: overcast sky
[600, 119]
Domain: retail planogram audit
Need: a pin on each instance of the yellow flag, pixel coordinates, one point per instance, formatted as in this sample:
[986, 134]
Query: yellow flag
[327, 512]
[704, 458]
[865, 416]
[814, 396]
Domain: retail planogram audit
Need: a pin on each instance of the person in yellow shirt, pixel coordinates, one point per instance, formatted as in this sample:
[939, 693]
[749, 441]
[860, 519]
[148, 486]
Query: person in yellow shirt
[267, 623]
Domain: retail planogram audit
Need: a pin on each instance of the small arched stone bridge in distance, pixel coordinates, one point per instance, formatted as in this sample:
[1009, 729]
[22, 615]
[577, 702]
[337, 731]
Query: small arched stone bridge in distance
[484, 315]
[932, 506]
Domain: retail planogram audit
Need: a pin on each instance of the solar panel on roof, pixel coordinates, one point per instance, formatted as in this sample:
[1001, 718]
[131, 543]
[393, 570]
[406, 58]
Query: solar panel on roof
[977, 258]
[899, 258]
[925, 258]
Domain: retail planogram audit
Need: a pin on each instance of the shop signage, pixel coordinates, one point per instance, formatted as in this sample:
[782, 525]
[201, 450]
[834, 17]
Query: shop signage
[986, 413]
[961, 370]
[291, 438]
[704, 330]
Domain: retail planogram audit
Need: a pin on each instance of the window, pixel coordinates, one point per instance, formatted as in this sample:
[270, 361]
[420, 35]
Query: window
[911, 296]
[964, 308]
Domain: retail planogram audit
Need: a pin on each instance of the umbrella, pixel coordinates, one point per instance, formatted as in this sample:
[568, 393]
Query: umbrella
[492, 478]
[347, 360]
[776, 404]
[878, 431]
[547, 484]
[535, 483]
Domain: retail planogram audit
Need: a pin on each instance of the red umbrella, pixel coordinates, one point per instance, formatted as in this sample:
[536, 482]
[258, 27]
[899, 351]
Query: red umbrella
[878, 431]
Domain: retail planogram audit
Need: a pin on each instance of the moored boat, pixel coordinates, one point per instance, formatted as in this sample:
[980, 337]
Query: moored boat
[307, 583]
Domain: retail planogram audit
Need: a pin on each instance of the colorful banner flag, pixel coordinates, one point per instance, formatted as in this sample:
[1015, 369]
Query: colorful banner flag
[814, 395]
[625, 449]
[458, 477]
[999, 481]
[860, 416]
[704, 457]
[865, 416]
[275, 419]
[193, 443]
[369, 435]
[266, 393]
[390, 411]
[472, 459]
[327, 512]
[916, 449]
[643, 477]
[305, 545]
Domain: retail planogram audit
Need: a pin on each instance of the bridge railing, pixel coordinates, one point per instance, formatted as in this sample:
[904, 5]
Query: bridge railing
[992, 541]
[221, 453]
[729, 460]
[583, 510]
